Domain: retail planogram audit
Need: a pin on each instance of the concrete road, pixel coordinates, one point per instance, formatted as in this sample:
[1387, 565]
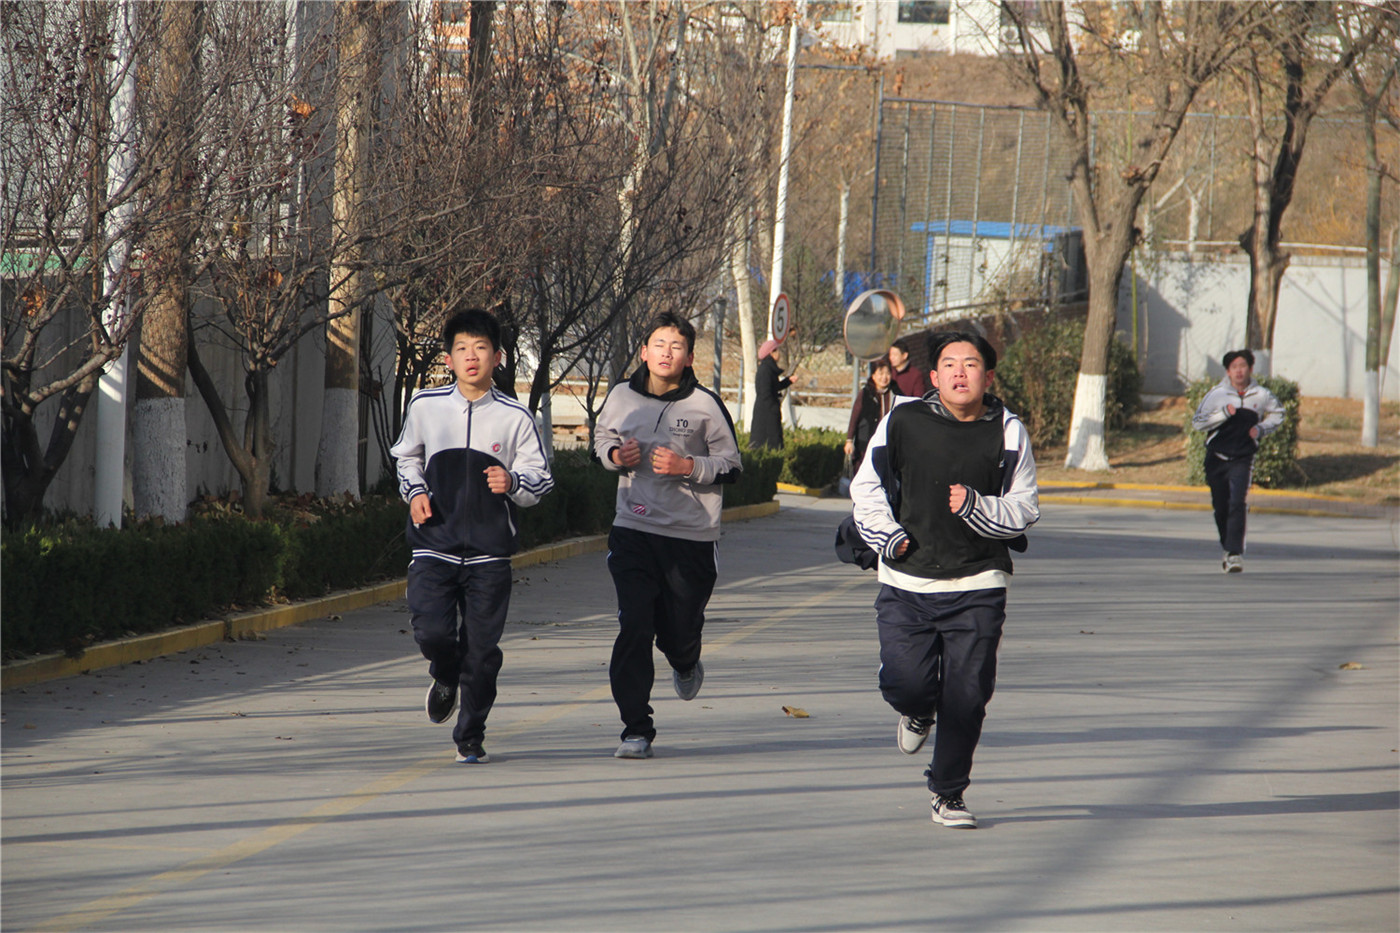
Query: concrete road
[1169, 748]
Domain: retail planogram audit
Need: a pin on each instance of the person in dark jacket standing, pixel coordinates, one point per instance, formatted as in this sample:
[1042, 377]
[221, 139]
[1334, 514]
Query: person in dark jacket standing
[872, 404]
[909, 379]
[768, 387]
[1235, 414]
[946, 490]
[468, 458]
[673, 444]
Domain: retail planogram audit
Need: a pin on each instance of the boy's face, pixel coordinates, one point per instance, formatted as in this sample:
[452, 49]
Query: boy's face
[960, 377]
[1239, 371]
[472, 360]
[667, 354]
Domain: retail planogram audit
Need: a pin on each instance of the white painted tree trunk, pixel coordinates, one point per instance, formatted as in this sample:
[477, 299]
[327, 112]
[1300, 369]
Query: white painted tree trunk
[159, 487]
[748, 355]
[1371, 410]
[843, 219]
[109, 480]
[1086, 428]
[337, 466]
[1264, 362]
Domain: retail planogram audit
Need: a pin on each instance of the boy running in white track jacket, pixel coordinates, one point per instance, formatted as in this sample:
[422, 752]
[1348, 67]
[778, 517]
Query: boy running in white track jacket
[945, 491]
[1234, 415]
[673, 443]
[469, 456]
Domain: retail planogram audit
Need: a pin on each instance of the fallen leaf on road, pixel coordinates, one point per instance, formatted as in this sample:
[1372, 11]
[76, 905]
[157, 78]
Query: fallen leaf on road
[796, 712]
[1350, 666]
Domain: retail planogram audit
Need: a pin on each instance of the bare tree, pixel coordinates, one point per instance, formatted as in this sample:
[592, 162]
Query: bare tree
[1374, 82]
[359, 29]
[1170, 52]
[66, 226]
[159, 437]
[1291, 45]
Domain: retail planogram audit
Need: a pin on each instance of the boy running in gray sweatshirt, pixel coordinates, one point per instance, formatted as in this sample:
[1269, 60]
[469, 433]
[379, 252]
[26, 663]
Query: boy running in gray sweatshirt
[674, 444]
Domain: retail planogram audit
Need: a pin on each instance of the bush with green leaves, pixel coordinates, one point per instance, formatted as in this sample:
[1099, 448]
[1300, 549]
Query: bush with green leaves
[68, 584]
[1037, 375]
[1276, 461]
[813, 457]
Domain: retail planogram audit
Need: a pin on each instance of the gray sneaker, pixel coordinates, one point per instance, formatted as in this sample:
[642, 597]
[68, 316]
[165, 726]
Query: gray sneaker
[1232, 563]
[688, 685]
[912, 732]
[951, 811]
[634, 746]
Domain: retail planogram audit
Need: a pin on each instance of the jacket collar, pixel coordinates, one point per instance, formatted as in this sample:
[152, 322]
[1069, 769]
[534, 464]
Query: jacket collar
[638, 384]
[991, 410]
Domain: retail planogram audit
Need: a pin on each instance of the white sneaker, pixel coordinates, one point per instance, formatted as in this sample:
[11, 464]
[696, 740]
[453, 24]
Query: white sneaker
[951, 811]
[912, 732]
[1232, 563]
[634, 746]
[688, 685]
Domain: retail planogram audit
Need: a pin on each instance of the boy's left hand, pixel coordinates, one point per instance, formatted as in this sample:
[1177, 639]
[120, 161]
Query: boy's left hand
[497, 479]
[667, 462]
[957, 495]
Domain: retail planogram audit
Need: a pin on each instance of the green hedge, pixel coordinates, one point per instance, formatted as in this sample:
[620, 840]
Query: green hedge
[70, 584]
[1276, 462]
[811, 457]
[1037, 375]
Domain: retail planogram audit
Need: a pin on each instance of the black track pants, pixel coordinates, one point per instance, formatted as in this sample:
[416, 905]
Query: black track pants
[663, 585]
[1229, 485]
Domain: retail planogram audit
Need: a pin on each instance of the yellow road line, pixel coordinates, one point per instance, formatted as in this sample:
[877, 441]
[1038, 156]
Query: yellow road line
[98, 910]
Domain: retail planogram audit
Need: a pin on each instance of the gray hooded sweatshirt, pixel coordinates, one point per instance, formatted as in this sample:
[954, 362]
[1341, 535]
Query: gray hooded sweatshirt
[693, 422]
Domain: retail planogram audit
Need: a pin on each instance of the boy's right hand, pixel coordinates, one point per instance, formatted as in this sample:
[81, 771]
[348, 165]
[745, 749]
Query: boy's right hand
[629, 455]
[421, 508]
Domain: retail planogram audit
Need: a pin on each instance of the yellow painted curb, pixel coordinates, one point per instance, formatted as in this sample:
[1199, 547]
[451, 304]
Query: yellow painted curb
[1205, 490]
[1191, 506]
[144, 647]
[799, 490]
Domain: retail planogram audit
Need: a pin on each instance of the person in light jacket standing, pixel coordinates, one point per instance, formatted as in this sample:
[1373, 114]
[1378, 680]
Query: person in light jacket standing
[1234, 415]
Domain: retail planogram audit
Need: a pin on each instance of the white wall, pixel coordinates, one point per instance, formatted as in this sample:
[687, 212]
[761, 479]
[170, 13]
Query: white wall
[1192, 312]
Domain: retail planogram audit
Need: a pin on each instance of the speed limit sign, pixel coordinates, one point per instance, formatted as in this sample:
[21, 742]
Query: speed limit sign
[782, 318]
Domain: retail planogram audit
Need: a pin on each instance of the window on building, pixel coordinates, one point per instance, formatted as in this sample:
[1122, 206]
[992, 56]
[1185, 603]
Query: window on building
[452, 11]
[831, 11]
[924, 11]
[1028, 11]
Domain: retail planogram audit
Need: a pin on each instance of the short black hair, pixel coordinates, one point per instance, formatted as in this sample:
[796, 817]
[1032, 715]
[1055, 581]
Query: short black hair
[902, 345]
[880, 362]
[474, 322]
[666, 319]
[1247, 355]
[940, 339]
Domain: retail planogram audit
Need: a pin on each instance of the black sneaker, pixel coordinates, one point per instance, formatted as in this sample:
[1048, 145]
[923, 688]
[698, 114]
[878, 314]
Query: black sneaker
[472, 753]
[951, 811]
[441, 701]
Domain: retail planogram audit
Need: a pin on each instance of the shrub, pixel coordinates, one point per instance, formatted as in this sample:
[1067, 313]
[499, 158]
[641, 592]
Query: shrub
[1276, 461]
[813, 457]
[1037, 375]
[758, 481]
[70, 584]
[348, 546]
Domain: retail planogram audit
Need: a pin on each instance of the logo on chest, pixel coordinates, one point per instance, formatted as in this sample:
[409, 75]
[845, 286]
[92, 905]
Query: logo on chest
[681, 428]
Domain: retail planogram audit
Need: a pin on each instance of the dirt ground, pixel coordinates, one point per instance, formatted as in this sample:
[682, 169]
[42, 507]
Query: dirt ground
[1330, 455]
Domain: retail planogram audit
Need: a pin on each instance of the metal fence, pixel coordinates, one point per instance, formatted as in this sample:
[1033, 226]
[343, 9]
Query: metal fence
[973, 209]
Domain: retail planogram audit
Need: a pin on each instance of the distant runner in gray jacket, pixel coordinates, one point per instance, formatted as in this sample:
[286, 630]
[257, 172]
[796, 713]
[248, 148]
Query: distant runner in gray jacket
[1234, 415]
[674, 444]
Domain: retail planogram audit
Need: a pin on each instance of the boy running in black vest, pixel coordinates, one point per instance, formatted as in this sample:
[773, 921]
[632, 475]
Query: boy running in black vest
[946, 487]
[674, 444]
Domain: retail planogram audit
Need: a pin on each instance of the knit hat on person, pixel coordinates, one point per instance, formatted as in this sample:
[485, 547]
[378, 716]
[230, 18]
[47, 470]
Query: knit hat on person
[768, 347]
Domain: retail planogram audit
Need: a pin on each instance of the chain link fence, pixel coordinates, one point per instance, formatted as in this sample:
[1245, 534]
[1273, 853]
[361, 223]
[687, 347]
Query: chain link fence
[974, 213]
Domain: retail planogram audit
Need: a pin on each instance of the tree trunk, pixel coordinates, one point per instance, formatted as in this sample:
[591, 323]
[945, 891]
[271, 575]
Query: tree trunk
[743, 295]
[337, 461]
[1087, 448]
[159, 437]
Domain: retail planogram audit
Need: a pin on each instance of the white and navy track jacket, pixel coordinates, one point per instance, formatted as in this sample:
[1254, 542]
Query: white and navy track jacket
[691, 421]
[900, 493]
[1227, 436]
[446, 446]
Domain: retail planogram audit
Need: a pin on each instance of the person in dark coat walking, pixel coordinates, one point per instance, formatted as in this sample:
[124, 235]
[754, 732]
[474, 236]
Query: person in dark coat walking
[872, 404]
[769, 383]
